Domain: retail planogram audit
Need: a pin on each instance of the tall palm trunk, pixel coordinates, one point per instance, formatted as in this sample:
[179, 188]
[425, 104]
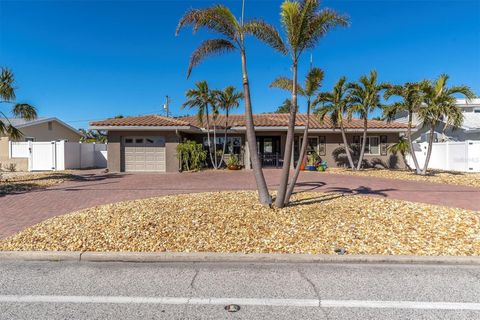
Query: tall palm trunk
[224, 139]
[410, 145]
[263, 194]
[215, 164]
[287, 157]
[429, 151]
[208, 137]
[303, 150]
[364, 143]
[347, 148]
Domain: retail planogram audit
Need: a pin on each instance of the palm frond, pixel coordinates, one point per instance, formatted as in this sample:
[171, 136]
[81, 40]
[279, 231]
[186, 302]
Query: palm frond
[266, 33]
[25, 111]
[217, 18]
[313, 81]
[208, 48]
[7, 91]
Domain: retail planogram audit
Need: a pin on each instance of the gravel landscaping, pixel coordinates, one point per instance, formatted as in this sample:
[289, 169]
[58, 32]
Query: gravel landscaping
[434, 176]
[233, 222]
[17, 182]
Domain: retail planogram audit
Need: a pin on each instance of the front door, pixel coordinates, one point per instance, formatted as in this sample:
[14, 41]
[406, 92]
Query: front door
[269, 150]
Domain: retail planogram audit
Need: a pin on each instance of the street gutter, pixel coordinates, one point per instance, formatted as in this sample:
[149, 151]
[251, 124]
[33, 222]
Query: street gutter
[159, 257]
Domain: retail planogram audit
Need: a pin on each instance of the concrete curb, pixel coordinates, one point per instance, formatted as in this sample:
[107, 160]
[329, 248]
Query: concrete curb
[228, 257]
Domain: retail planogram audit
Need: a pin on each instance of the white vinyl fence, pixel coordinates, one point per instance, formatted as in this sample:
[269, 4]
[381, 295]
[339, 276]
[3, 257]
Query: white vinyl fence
[60, 155]
[455, 156]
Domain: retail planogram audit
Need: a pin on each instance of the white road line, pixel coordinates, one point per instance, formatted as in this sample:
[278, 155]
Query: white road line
[241, 301]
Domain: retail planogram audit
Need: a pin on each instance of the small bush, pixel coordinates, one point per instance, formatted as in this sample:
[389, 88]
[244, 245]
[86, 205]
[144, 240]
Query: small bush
[191, 155]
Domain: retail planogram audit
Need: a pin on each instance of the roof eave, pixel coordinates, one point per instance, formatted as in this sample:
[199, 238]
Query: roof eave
[144, 128]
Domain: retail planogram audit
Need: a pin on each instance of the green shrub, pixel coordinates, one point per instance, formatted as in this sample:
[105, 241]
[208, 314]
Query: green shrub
[191, 155]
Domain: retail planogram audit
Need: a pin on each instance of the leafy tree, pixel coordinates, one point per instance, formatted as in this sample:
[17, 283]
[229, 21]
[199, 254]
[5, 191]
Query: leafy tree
[440, 106]
[21, 110]
[411, 95]
[336, 105]
[227, 100]
[303, 24]
[312, 84]
[220, 20]
[365, 97]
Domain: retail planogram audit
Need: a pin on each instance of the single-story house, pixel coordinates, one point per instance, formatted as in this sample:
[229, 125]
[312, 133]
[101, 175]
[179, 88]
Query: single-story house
[40, 129]
[148, 143]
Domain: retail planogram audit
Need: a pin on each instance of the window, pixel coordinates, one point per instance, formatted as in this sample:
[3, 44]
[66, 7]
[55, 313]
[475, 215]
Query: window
[128, 140]
[314, 144]
[27, 139]
[476, 110]
[372, 146]
[234, 144]
[139, 140]
[50, 125]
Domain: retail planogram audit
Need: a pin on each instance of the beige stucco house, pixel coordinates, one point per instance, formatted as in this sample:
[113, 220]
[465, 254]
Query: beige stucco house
[40, 129]
[148, 143]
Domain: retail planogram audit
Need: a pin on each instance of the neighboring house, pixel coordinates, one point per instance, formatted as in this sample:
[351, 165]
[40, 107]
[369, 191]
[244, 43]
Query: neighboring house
[40, 129]
[470, 129]
[148, 143]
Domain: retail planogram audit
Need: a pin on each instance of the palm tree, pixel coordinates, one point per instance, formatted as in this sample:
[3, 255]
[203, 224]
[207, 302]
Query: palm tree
[200, 98]
[220, 20]
[336, 104]
[440, 107]
[227, 100]
[365, 97]
[21, 110]
[411, 100]
[285, 106]
[312, 85]
[304, 24]
[402, 146]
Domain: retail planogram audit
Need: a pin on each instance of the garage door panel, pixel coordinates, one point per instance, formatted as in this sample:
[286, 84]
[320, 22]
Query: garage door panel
[145, 153]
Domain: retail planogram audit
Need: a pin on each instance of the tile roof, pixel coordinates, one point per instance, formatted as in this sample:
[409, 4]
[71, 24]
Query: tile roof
[142, 121]
[238, 120]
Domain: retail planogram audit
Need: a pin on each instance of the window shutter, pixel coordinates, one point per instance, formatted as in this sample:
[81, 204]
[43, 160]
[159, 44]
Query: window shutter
[383, 145]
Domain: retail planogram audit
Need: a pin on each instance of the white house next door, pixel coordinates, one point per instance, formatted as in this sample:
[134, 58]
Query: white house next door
[144, 154]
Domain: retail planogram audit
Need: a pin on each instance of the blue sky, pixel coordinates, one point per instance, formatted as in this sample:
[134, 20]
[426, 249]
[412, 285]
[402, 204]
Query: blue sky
[89, 60]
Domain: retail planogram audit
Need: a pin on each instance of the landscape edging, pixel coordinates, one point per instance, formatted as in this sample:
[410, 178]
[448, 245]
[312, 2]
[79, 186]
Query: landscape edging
[229, 257]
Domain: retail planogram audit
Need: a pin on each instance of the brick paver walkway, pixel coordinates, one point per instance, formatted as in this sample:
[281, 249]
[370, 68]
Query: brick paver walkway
[18, 211]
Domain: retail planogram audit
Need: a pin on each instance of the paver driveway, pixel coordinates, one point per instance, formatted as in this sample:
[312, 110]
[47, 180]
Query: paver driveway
[18, 211]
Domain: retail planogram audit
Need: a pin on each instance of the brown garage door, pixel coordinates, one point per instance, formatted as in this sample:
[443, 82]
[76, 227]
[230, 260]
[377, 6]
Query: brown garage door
[144, 153]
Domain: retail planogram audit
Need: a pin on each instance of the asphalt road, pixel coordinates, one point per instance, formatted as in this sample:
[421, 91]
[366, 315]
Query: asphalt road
[69, 290]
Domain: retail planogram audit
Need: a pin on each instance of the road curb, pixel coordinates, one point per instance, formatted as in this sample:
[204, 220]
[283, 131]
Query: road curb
[229, 257]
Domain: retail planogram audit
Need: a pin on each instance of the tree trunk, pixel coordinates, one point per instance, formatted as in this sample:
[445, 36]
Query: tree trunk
[208, 138]
[429, 151]
[215, 165]
[264, 195]
[282, 188]
[303, 150]
[404, 156]
[345, 143]
[410, 145]
[364, 143]
[224, 139]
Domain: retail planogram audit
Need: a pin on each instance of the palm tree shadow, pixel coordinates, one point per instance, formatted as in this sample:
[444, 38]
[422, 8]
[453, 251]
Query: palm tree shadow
[309, 186]
[335, 193]
[361, 190]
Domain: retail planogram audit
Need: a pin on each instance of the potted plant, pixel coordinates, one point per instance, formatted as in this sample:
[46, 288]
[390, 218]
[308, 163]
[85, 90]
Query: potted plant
[311, 160]
[233, 163]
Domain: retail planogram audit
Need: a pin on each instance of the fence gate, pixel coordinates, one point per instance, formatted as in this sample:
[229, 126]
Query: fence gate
[42, 156]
